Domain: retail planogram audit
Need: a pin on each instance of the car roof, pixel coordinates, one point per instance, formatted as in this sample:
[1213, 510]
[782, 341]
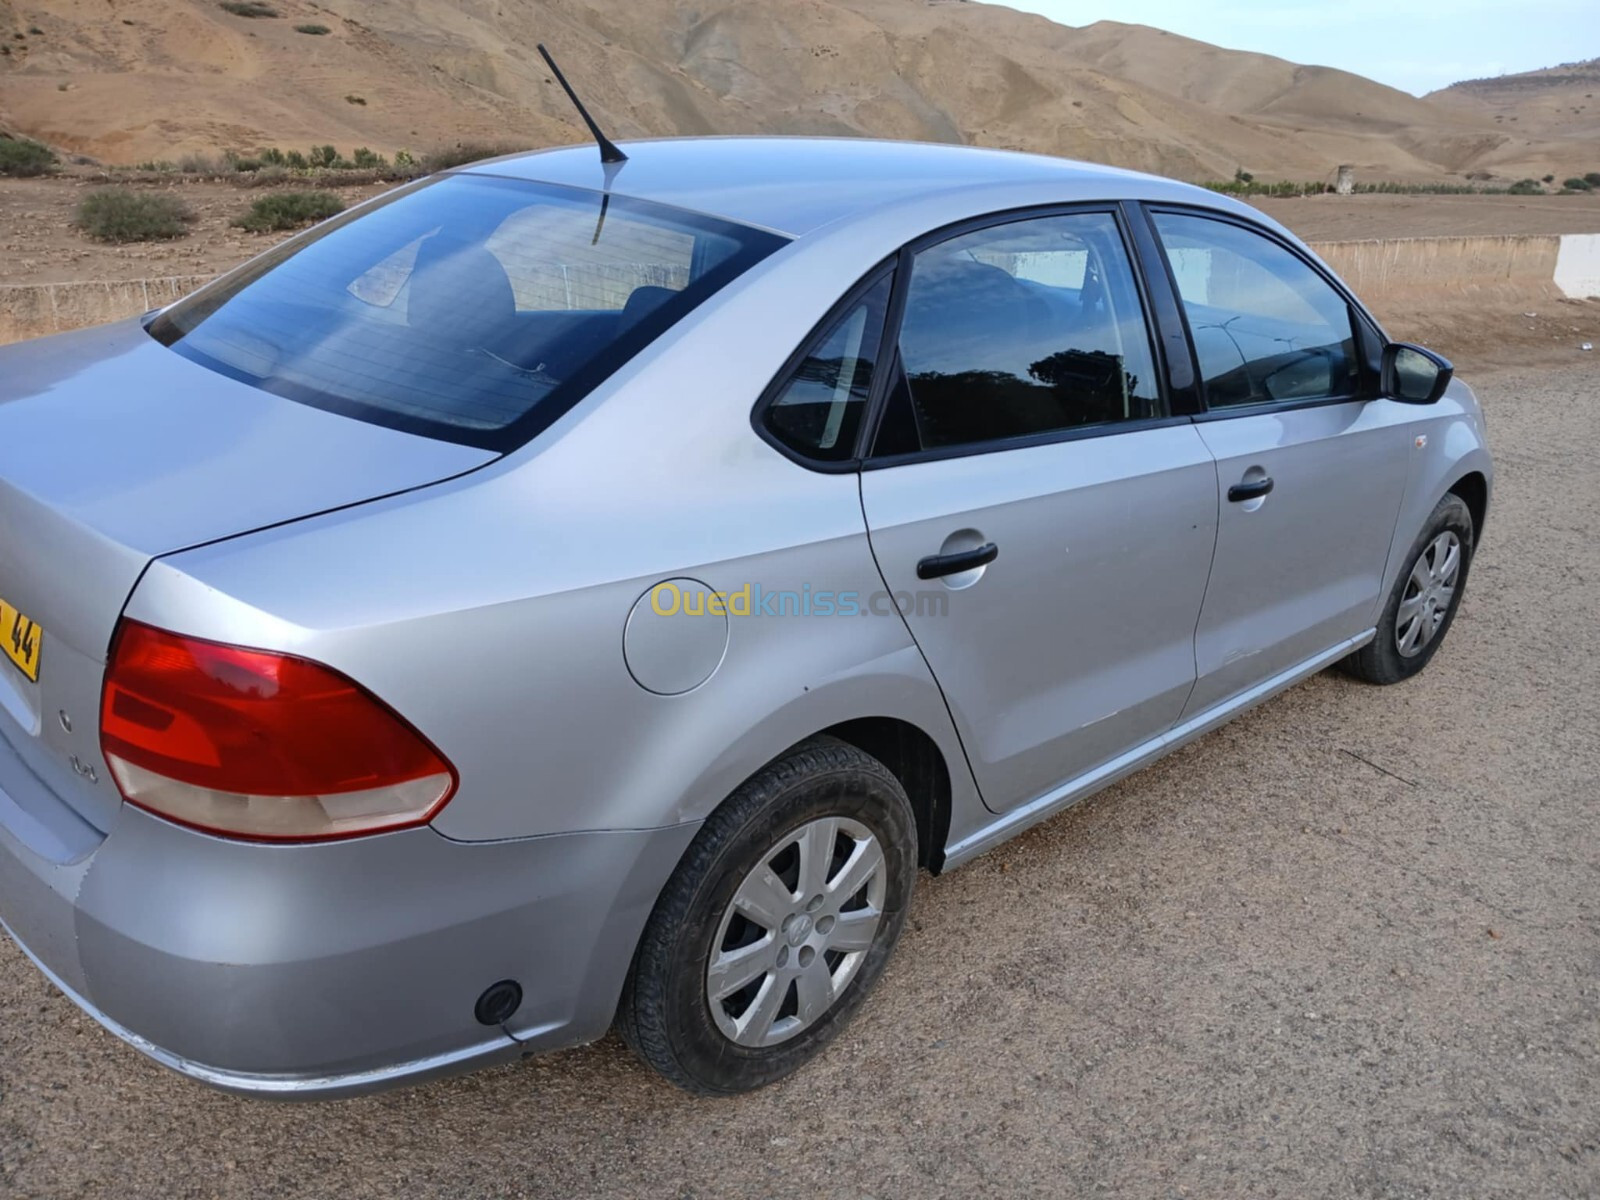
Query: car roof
[795, 185]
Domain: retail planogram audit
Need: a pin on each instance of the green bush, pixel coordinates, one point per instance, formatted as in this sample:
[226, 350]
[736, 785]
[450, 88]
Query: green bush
[276, 163]
[1389, 188]
[21, 156]
[1592, 178]
[1576, 184]
[352, 98]
[289, 210]
[462, 152]
[267, 176]
[124, 215]
[203, 164]
[313, 30]
[248, 8]
[1254, 187]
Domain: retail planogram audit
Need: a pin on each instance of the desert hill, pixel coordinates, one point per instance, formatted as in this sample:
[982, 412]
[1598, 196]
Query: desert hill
[130, 80]
[1557, 102]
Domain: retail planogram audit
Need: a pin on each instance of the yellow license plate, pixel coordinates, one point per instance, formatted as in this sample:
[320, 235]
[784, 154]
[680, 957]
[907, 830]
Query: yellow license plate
[19, 638]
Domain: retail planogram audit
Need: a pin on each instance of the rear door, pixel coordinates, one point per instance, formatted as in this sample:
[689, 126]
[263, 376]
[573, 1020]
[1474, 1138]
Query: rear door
[1041, 520]
[1311, 464]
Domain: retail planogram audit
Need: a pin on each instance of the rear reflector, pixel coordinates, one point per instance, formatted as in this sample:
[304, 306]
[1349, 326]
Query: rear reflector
[255, 744]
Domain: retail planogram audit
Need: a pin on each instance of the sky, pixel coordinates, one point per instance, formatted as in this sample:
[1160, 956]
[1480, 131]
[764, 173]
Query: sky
[1415, 45]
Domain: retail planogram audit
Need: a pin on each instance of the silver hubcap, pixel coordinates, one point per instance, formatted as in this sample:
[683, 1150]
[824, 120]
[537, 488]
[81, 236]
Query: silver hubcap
[796, 931]
[1430, 590]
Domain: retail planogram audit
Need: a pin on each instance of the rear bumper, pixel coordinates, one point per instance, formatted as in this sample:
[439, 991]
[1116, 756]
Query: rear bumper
[328, 970]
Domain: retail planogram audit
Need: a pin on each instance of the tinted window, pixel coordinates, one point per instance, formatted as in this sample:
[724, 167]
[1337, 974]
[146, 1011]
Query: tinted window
[473, 309]
[818, 411]
[1020, 329]
[1265, 325]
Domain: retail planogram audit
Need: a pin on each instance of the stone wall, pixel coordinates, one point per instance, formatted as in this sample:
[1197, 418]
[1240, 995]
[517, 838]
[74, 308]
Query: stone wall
[34, 310]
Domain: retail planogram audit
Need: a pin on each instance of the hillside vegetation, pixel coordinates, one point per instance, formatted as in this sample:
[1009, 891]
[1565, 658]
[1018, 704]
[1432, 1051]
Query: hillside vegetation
[125, 81]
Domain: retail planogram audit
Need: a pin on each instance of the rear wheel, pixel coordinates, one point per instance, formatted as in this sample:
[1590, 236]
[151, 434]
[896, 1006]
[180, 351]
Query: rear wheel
[1423, 601]
[776, 924]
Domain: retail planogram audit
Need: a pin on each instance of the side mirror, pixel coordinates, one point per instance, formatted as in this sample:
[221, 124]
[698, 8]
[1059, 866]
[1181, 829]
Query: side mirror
[1414, 375]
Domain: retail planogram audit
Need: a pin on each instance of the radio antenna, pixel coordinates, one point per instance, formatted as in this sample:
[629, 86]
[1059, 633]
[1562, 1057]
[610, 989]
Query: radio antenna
[608, 150]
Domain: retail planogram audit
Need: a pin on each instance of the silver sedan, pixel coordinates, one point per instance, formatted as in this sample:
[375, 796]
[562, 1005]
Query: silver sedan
[565, 593]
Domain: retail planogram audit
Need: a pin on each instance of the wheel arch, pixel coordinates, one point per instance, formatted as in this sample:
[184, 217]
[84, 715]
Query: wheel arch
[1473, 488]
[912, 755]
[1455, 462]
[916, 761]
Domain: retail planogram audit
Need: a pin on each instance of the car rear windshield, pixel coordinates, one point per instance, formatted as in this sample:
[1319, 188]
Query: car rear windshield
[471, 308]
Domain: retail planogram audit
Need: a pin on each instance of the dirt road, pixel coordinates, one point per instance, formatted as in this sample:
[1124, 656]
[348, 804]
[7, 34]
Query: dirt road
[1349, 945]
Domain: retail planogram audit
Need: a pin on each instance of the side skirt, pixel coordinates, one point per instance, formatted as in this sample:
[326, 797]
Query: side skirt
[1015, 820]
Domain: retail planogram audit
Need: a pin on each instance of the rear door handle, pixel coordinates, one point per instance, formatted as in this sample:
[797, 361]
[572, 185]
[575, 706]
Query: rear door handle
[936, 566]
[1250, 491]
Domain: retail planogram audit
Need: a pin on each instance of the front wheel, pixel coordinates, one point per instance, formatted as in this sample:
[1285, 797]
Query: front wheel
[1423, 601]
[776, 924]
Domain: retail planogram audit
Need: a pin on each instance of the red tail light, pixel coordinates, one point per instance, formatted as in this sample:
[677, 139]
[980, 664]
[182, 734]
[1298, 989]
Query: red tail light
[254, 744]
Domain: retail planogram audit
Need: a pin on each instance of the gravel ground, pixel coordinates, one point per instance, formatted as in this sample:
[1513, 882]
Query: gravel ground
[1348, 945]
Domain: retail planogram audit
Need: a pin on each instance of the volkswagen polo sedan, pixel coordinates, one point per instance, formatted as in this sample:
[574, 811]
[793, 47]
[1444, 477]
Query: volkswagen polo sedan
[562, 594]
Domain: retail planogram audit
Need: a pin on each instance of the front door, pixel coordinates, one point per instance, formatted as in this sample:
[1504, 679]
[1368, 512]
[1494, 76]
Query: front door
[1311, 466]
[1044, 526]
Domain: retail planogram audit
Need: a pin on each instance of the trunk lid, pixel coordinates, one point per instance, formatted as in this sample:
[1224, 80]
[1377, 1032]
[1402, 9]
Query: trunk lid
[115, 450]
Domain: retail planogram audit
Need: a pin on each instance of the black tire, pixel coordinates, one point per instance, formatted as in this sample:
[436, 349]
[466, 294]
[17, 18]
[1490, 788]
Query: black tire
[1380, 661]
[665, 1014]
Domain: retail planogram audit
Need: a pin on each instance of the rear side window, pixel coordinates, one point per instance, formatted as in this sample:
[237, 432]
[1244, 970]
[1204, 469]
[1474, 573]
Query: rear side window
[818, 412]
[473, 309]
[1265, 326]
[1016, 330]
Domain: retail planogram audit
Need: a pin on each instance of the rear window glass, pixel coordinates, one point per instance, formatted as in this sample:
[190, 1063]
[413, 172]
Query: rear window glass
[472, 308]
